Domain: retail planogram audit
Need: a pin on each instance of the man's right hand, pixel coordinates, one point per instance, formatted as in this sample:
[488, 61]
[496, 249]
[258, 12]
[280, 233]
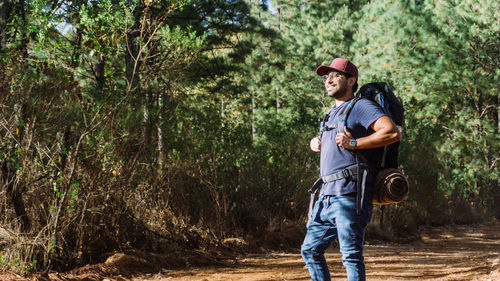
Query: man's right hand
[315, 144]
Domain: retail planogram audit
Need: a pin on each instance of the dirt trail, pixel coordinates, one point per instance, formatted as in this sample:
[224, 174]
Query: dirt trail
[453, 253]
[444, 253]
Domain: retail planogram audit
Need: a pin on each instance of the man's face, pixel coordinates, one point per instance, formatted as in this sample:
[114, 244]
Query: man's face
[336, 84]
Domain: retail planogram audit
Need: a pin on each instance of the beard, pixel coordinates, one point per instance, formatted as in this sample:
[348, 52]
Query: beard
[339, 92]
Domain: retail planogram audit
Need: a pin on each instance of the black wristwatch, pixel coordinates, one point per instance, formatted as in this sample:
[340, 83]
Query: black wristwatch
[353, 142]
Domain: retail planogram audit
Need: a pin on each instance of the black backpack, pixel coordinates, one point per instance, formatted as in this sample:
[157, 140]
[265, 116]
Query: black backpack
[380, 93]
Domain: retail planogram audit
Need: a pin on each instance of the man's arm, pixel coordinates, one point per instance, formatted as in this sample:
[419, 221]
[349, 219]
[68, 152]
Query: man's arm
[386, 132]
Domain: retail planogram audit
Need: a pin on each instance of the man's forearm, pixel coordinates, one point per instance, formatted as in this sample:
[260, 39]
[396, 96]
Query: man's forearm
[386, 132]
[378, 139]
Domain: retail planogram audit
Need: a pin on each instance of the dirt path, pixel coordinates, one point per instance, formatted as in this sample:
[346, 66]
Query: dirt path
[445, 253]
[453, 253]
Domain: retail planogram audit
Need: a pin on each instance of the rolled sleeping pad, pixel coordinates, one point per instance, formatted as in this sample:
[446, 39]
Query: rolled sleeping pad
[391, 186]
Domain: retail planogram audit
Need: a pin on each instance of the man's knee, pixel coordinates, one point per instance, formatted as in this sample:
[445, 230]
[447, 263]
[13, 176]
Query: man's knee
[306, 252]
[355, 257]
[309, 253]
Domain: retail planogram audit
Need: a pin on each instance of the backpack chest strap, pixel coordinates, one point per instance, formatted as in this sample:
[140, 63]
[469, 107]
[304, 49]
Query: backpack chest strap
[341, 119]
[327, 128]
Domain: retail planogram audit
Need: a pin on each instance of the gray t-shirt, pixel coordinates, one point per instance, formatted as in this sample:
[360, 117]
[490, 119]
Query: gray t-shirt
[335, 158]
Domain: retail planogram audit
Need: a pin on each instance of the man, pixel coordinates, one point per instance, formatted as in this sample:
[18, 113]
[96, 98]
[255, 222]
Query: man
[338, 212]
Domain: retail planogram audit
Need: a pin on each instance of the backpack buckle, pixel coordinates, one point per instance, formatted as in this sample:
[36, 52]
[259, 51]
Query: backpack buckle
[346, 173]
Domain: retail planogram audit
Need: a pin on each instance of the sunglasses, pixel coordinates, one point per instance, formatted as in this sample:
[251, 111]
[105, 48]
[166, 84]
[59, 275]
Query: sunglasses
[332, 75]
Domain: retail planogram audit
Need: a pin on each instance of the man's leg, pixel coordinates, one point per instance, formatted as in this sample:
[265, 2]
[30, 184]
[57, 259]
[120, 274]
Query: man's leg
[351, 230]
[318, 237]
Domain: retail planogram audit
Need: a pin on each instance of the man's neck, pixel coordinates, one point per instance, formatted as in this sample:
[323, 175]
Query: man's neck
[344, 98]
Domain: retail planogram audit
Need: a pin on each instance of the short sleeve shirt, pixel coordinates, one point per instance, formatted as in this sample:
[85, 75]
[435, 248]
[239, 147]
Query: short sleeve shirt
[335, 158]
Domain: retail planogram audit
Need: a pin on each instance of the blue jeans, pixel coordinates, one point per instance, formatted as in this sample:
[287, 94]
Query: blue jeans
[335, 216]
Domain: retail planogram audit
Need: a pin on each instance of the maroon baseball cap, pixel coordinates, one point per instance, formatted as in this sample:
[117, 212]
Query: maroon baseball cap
[339, 64]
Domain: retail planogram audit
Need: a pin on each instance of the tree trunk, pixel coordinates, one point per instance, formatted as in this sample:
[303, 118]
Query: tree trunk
[497, 189]
[75, 57]
[161, 155]
[15, 196]
[24, 40]
[132, 51]
[9, 175]
[99, 72]
[4, 17]
[278, 102]
[254, 108]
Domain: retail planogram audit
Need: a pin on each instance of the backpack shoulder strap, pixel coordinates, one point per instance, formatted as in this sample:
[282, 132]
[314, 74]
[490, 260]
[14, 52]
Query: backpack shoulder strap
[342, 121]
[342, 118]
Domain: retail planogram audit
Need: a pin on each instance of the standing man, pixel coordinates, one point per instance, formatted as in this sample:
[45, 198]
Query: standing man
[338, 212]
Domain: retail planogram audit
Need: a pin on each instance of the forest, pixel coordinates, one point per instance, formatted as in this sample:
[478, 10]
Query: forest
[155, 124]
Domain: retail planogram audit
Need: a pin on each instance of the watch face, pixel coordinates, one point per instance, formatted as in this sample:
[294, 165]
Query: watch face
[353, 142]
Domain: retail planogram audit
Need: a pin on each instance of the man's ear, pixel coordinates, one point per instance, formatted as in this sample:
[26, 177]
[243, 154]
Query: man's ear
[351, 81]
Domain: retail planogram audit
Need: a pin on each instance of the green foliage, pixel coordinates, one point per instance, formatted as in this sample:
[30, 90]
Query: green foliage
[158, 124]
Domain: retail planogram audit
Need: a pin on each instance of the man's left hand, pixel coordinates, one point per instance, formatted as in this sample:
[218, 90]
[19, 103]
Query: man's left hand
[344, 138]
